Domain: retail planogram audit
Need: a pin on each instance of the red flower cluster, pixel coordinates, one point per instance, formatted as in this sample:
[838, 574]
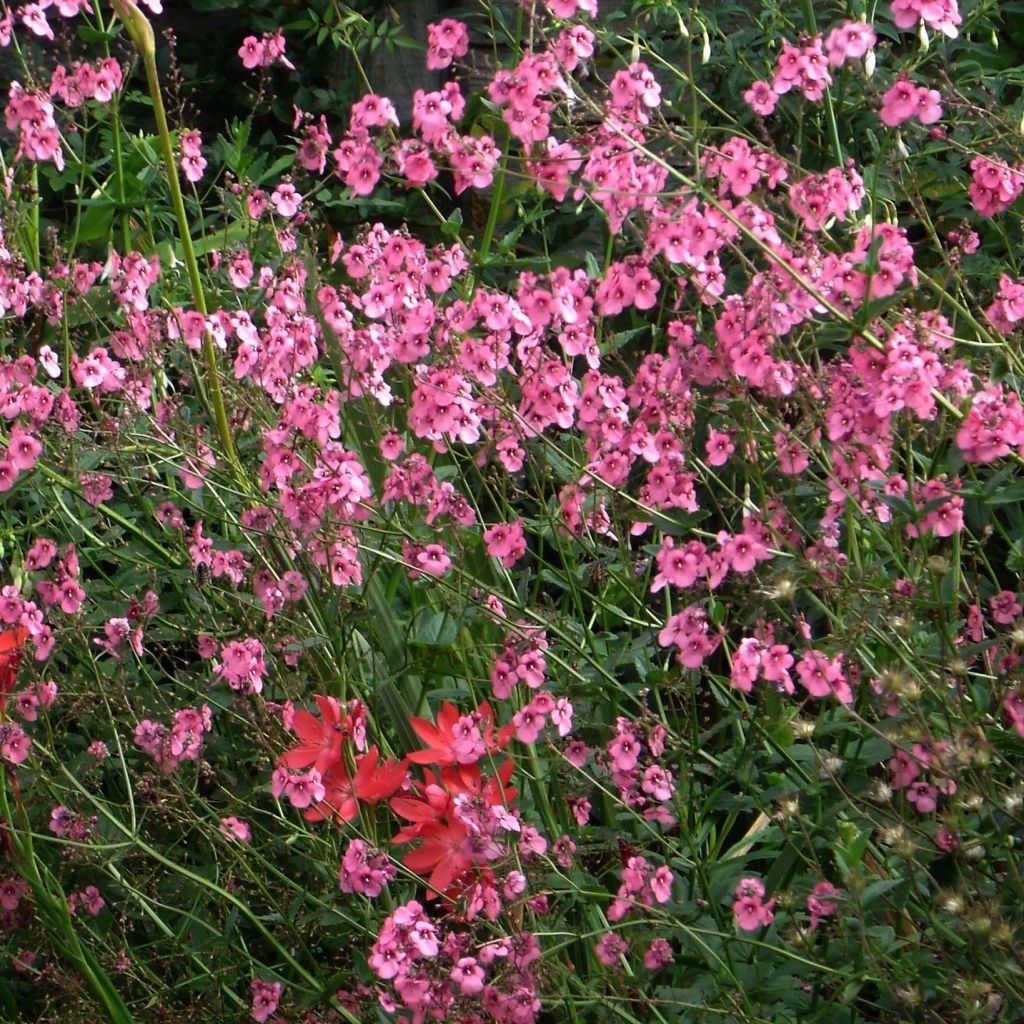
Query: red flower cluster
[336, 783]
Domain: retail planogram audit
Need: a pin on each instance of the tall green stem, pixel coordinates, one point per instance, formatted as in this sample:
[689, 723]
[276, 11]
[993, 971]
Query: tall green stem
[830, 111]
[141, 33]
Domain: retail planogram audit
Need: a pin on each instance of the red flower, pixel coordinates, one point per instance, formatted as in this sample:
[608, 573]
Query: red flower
[442, 739]
[446, 846]
[442, 853]
[371, 783]
[322, 740]
[11, 643]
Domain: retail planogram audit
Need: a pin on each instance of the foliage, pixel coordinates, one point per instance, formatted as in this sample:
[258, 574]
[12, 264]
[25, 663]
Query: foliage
[558, 559]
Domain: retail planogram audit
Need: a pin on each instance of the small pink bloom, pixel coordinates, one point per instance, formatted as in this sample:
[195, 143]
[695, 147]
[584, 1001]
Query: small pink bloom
[235, 830]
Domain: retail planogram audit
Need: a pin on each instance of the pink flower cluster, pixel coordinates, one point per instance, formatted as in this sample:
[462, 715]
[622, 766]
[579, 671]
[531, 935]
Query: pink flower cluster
[300, 789]
[849, 41]
[265, 997]
[182, 742]
[822, 902]
[690, 632]
[627, 283]
[570, 8]
[31, 115]
[263, 52]
[756, 658]
[505, 542]
[941, 15]
[804, 68]
[1008, 308]
[634, 769]
[740, 168]
[14, 743]
[65, 824]
[1005, 607]
[1013, 705]
[905, 769]
[242, 665]
[447, 40]
[993, 426]
[904, 101]
[131, 277]
[13, 890]
[86, 81]
[642, 886]
[365, 870]
[63, 589]
[749, 907]
[822, 676]
[89, 898]
[33, 15]
[192, 162]
[441, 975]
[820, 197]
[23, 451]
[521, 93]
[944, 515]
[994, 186]
[117, 633]
[521, 659]
[529, 721]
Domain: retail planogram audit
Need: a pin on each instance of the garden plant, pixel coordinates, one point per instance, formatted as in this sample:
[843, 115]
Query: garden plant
[551, 556]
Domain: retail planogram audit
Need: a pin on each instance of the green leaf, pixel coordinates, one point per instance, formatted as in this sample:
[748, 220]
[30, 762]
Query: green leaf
[879, 888]
[434, 628]
[96, 222]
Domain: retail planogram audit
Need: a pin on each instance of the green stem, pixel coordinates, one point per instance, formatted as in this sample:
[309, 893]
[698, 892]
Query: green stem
[141, 33]
[53, 908]
[830, 111]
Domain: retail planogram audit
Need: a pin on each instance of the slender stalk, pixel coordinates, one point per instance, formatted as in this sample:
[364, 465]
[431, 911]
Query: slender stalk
[141, 33]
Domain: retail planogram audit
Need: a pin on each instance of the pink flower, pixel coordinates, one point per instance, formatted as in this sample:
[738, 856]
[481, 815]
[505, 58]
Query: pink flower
[576, 752]
[750, 910]
[719, 447]
[761, 98]
[431, 559]
[286, 200]
[821, 902]
[941, 15]
[14, 744]
[252, 52]
[904, 101]
[92, 900]
[658, 955]
[505, 541]
[661, 884]
[924, 797]
[265, 997]
[447, 40]
[610, 948]
[1004, 607]
[235, 830]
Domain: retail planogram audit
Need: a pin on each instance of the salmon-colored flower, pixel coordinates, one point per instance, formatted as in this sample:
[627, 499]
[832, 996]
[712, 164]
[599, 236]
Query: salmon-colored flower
[11, 643]
[458, 739]
[322, 739]
[371, 782]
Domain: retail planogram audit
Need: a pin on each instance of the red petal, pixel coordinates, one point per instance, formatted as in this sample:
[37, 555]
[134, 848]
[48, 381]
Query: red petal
[307, 728]
[299, 757]
[432, 756]
[330, 711]
[413, 810]
[13, 639]
[426, 732]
